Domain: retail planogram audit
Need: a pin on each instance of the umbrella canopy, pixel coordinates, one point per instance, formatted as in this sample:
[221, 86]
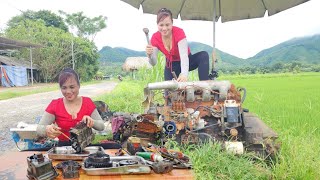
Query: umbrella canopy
[228, 10]
[207, 10]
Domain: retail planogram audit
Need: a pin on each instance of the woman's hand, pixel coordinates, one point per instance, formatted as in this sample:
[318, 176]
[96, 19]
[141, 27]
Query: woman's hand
[88, 120]
[53, 131]
[182, 78]
[149, 50]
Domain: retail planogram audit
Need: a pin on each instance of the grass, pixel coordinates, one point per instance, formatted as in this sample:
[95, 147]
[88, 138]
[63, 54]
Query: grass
[126, 97]
[99, 138]
[288, 103]
[12, 92]
[8, 93]
[210, 161]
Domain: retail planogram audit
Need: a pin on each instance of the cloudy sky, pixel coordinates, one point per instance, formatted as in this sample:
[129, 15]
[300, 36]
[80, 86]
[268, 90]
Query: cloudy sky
[242, 38]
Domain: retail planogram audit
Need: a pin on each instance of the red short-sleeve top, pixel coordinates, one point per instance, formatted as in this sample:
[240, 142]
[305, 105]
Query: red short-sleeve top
[177, 35]
[64, 119]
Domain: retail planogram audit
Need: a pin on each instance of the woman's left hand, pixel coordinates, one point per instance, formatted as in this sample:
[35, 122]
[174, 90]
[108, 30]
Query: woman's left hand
[88, 120]
[182, 78]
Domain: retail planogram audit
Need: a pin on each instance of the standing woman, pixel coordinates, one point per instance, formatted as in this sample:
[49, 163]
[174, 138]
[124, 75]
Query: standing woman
[172, 42]
[64, 113]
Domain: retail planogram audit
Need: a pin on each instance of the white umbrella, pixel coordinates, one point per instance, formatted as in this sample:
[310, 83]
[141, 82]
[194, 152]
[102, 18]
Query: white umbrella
[207, 10]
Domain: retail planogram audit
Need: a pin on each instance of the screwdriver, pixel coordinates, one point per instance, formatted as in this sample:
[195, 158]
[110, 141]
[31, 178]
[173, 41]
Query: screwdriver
[55, 127]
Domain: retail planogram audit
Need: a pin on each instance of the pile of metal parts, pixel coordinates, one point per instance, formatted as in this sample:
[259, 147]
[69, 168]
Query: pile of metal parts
[192, 112]
[95, 160]
[195, 112]
[39, 167]
[161, 159]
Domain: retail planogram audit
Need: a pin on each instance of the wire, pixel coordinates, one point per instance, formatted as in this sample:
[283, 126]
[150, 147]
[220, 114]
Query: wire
[213, 112]
[206, 134]
[205, 127]
[244, 93]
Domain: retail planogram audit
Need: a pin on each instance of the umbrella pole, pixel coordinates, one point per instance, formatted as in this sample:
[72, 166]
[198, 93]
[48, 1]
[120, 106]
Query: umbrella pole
[214, 35]
[214, 73]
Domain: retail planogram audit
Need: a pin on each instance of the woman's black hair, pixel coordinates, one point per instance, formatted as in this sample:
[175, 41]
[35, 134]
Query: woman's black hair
[163, 13]
[65, 74]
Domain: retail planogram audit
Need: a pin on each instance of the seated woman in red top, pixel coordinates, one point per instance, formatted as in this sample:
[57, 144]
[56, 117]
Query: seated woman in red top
[172, 42]
[64, 113]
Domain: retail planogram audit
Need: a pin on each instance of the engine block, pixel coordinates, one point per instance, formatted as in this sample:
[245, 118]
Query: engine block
[194, 112]
[81, 136]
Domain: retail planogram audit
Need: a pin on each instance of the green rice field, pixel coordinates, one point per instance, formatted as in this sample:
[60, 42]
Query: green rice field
[290, 104]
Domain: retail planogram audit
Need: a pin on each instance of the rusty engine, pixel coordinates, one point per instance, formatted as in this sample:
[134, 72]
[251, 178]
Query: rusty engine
[40, 168]
[81, 136]
[198, 111]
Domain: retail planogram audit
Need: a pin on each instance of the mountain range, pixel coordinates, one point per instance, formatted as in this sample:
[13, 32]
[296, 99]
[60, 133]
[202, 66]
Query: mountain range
[305, 50]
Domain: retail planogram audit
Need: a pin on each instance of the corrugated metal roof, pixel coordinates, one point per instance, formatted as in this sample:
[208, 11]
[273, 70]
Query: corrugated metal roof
[135, 63]
[10, 61]
[6, 43]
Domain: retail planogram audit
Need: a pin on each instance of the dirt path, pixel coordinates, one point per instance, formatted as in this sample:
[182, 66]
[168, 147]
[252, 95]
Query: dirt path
[27, 108]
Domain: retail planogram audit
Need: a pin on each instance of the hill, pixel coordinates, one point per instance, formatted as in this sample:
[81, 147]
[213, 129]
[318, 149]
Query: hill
[118, 54]
[224, 59]
[305, 50]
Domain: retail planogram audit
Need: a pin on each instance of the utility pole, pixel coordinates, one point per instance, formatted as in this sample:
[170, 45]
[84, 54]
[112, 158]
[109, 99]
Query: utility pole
[72, 54]
[31, 68]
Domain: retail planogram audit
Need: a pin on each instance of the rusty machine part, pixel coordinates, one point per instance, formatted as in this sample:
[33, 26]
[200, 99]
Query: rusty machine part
[103, 110]
[98, 160]
[143, 126]
[178, 159]
[134, 145]
[100, 163]
[68, 153]
[198, 111]
[40, 168]
[70, 169]
[81, 136]
[162, 167]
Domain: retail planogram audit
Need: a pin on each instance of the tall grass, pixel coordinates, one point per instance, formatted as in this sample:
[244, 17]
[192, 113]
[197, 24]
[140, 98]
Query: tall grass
[288, 103]
[156, 74]
[210, 161]
[126, 97]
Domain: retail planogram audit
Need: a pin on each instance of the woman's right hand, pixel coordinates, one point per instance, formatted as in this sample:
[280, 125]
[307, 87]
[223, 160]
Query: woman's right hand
[149, 50]
[53, 131]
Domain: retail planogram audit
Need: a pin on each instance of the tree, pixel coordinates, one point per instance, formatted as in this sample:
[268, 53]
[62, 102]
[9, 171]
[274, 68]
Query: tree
[50, 19]
[277, 66]
[316, 68]
[56, 51]
[295, 67]
[1, 32]
[86, 55]
[86, 27]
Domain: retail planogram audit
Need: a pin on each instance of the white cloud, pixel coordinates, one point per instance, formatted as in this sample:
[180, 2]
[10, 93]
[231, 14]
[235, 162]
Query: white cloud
[124, 26]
